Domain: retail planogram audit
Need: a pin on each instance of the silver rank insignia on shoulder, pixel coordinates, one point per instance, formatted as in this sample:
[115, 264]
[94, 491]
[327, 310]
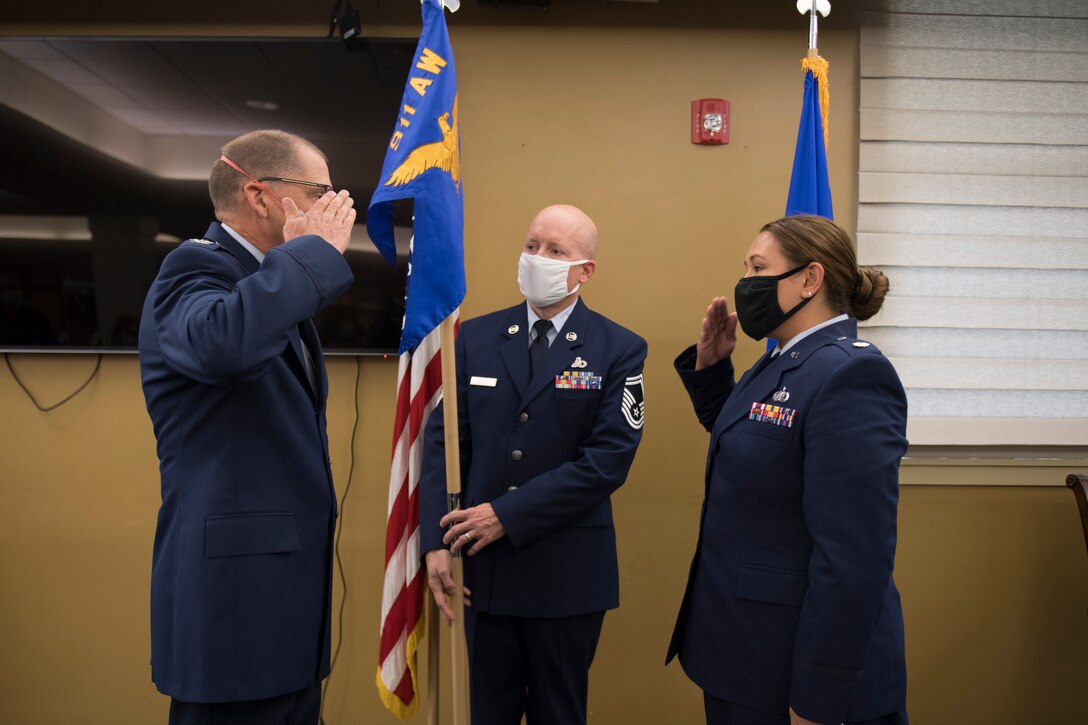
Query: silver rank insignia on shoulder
[840, 339]
[203, 242]
[781, 396]
[579, 363]
[512, 330]
[572, 336]
[860, 343]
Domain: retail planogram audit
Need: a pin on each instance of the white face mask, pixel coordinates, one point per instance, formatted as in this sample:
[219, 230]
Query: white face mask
[543, 281]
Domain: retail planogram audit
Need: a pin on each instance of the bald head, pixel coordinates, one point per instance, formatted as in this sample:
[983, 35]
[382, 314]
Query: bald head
[559, 233]
[569, 223]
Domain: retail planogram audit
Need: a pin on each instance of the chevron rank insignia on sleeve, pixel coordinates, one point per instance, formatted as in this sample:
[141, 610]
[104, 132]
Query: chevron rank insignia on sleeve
[633, 406]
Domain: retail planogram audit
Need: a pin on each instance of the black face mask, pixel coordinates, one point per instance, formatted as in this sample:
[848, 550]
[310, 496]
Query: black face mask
[756, 300]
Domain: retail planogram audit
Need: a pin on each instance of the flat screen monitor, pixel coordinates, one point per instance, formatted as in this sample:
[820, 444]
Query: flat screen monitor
[108, 143]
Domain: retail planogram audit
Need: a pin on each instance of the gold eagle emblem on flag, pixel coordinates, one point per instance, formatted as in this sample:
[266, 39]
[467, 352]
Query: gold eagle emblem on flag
[444, 155]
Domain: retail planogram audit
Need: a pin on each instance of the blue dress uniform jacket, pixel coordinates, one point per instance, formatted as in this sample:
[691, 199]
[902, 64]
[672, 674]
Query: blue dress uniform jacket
[241, 572]
[545, 457]
[790, 600]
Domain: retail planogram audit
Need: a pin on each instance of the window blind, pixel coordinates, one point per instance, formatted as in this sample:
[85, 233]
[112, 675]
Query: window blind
[973, 198]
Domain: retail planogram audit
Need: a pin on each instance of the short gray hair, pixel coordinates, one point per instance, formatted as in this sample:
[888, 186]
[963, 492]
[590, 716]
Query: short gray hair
[267, 152]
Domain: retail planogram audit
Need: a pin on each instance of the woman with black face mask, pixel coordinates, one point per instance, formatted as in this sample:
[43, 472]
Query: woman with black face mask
[791, 615]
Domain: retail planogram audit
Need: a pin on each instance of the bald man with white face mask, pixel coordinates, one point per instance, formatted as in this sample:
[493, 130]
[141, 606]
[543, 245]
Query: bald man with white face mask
[550, 406]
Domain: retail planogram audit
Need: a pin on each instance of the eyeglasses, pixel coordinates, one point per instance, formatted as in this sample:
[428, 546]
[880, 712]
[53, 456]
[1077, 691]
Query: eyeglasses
[325, 188]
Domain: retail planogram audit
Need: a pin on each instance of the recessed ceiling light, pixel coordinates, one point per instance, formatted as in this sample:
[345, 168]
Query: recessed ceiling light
[262, 105]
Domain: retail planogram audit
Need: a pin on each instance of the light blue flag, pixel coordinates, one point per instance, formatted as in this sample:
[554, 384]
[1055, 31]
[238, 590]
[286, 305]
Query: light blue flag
[810, 192]
[424, 162]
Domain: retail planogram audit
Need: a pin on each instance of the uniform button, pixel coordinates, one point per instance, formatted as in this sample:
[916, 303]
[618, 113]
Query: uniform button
[516, 455]
[523, 417]
[511, 488]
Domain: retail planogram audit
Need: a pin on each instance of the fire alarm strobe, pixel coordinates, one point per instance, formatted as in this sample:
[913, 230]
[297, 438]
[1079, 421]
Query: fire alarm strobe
[710, 121]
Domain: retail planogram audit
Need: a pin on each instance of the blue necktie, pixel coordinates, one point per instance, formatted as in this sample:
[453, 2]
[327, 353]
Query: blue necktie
[539, 348]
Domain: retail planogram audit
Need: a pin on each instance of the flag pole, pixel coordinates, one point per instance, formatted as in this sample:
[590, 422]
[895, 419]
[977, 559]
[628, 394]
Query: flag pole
[458, 650]
[433, 666]
[813, 8]
[813, 49]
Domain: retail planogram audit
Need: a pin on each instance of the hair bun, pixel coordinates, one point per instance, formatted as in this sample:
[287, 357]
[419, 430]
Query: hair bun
[869, 292]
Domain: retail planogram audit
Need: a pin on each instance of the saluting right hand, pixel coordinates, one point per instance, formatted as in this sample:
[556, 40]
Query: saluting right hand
[331, 218]
[718, 336]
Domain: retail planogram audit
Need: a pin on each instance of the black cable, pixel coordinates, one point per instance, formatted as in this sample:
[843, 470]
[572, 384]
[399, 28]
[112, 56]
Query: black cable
[336, 545]
[39, 406]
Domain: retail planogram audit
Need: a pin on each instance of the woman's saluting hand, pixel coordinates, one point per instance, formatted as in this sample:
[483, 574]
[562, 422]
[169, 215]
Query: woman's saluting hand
[718, 336]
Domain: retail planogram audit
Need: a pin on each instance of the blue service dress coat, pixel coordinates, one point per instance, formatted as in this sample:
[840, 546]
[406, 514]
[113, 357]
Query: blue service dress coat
[241, 569]
[547, 454]
[790, 599]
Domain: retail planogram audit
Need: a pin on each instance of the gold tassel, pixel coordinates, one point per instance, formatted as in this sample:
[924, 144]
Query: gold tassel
[818, 65]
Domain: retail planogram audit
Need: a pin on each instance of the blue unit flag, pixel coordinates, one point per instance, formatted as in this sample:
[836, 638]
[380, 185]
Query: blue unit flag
[423, 162]
[810, 192]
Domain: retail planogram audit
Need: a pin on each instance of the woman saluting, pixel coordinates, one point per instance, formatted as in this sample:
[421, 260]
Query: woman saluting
[790, 613]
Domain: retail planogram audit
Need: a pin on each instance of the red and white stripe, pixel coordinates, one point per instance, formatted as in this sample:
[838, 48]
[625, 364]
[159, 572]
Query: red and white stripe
[419, 390]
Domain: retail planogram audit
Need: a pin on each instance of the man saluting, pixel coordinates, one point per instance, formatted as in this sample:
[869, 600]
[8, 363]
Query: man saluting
[235, 386]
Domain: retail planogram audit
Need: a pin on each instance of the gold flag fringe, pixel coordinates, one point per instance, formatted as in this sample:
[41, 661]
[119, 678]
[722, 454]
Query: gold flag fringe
[401, 710]
[818, 66]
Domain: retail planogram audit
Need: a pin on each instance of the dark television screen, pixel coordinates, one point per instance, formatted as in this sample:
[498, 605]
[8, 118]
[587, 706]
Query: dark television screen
[103, 171]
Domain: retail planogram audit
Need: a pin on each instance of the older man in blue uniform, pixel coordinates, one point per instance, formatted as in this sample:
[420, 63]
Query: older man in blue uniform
[550, 415]
[235, 387]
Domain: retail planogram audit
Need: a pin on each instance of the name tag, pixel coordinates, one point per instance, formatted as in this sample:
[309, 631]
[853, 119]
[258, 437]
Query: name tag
[483, 382]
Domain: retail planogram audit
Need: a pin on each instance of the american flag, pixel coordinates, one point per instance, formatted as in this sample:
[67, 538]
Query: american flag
[422, 163]
[419, 389]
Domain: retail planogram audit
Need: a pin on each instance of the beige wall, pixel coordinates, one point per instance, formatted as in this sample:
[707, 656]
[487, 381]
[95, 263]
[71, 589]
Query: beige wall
[994, 578]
